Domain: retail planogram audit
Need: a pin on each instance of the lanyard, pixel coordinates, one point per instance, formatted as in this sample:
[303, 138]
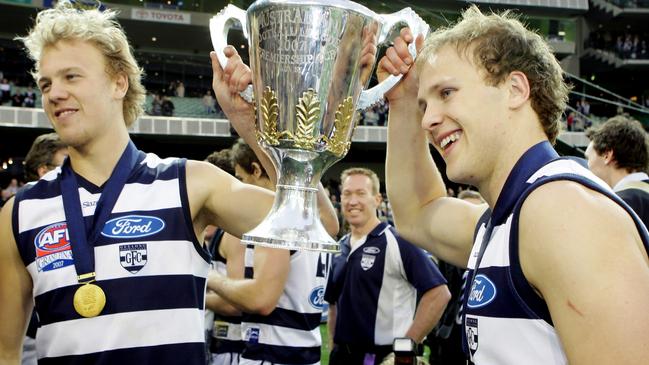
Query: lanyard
[82, 241]
[470, 283]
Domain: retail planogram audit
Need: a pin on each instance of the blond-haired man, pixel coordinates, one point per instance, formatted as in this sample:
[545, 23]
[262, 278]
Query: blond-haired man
[109, 248]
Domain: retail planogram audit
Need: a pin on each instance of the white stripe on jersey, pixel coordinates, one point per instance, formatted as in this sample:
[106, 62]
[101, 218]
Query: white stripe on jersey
[284, 336]
[151, 194]
[50, 175]
[228, 358]
[397, 299]
[498, 252]
[139, 196]
[517, 336]
[296, 287]
[233, 331]
[122, 330]
[186, 261]
[567, 167]
[49, 212]
[152, 160]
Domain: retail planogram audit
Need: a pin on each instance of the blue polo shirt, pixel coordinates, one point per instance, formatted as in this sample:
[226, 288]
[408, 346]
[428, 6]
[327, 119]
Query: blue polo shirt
[376, 286]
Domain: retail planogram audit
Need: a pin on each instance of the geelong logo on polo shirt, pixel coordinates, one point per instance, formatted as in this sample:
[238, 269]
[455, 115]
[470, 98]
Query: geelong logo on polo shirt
[53, 249]
[371, 250]
[482, 293]
[133, 226]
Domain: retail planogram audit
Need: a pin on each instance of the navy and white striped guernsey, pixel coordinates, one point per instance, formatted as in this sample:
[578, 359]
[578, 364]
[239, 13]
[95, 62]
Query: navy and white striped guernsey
[147, 260]
[291, 333]
[226, 331]
[506, 321]
[375, 287]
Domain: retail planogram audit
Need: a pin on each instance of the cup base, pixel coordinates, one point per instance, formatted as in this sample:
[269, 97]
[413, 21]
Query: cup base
[323, 246]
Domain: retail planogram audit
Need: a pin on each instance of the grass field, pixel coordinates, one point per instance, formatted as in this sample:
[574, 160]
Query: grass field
[324, 350]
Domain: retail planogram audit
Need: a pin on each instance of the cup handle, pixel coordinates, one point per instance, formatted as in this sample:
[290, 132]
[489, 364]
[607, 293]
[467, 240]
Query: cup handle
[418, 26]
[220, 25]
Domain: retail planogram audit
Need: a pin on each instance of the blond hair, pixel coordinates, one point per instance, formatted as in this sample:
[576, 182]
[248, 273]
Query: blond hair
[376, 184]
[66, 22]
[500, 44]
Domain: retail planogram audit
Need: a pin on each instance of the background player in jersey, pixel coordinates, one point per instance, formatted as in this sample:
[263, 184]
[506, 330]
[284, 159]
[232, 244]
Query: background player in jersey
[375, 283]
[618, 153]
[152, 311]
[563, 270]
[223, 321]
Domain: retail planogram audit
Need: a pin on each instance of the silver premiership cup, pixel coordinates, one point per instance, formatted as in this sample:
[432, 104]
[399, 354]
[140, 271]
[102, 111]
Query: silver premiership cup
[311, 63]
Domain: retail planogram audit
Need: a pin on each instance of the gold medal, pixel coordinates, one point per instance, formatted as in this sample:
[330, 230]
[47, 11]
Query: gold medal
[89, 300]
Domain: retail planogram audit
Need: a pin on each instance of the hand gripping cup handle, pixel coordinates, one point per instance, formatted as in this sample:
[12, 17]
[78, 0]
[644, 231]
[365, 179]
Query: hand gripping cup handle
[220, 25]
[418, 26]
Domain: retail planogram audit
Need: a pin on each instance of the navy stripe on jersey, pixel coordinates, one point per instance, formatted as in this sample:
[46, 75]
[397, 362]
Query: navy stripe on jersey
[282, 354]
[56, 305]
[214, 245]
[184, 198]
[248, 272]
[223, 346]
[190, 353]
[287, 318]
[499, 307]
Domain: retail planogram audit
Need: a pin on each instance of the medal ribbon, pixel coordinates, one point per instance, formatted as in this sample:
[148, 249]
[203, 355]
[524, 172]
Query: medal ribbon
[82, 240]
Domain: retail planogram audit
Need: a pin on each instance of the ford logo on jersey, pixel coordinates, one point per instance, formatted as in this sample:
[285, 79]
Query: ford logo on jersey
[482, 293]
[316, 298]
[133, 226]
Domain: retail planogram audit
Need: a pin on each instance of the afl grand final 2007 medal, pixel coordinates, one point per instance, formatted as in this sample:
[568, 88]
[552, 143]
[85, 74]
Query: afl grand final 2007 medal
[89, 300]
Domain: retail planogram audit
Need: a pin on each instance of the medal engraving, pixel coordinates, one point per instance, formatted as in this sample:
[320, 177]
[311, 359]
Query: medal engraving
[89, 300]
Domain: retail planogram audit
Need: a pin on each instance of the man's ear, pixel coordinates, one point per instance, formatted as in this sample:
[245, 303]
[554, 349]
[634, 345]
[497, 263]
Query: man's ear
[609, 157]
[257, 170]
[42, 170]
[519, 89]
[379, 199]
[121, 85]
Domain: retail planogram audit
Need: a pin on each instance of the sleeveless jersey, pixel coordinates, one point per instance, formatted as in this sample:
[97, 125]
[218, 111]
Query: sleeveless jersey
[147, 260]
[226, 332]
[506, 321]
[291, 333]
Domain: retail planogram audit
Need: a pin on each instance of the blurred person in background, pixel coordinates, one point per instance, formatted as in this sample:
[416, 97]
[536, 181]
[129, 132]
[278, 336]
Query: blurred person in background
[618, 153]
[381, 287]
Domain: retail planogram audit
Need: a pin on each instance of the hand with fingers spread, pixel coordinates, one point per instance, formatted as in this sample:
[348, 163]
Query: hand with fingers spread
[227, 83]
[398, 61]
